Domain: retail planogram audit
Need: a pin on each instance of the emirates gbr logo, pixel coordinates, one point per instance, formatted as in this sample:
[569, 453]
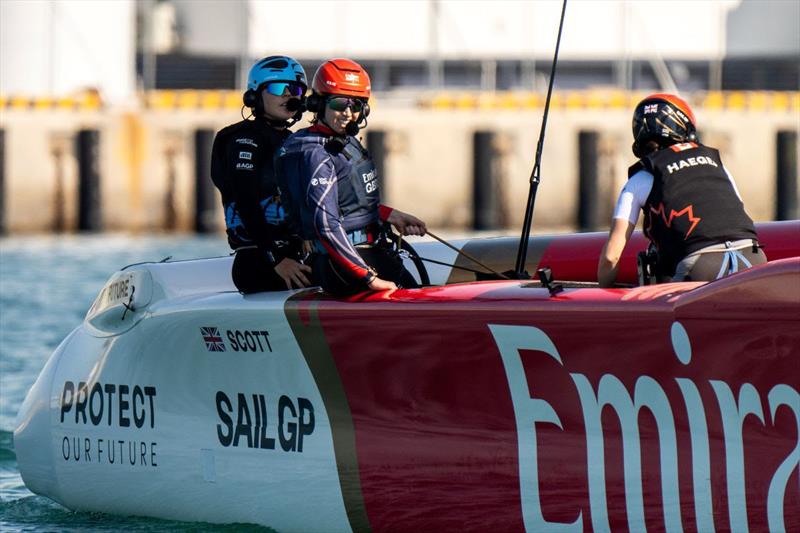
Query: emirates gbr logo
[610, 392]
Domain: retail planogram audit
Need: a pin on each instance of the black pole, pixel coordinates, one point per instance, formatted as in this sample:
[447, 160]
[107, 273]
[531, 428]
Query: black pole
[204, 199]
[588, 180]
[786, 176]
[89, 210]
[535, 173]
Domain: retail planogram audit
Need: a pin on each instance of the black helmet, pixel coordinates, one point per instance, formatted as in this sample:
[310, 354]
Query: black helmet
[663, 118]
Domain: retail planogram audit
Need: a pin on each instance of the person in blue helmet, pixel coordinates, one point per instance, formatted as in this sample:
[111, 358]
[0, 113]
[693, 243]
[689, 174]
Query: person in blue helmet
[267, 256]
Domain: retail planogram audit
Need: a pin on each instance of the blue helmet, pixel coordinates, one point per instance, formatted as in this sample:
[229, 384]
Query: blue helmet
[275, 68]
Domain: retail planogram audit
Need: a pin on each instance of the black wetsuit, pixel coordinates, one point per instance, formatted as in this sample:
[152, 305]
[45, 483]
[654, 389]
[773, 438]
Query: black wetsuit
[242, 169]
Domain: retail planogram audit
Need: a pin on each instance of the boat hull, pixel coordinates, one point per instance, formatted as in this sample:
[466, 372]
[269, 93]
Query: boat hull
[462, 407]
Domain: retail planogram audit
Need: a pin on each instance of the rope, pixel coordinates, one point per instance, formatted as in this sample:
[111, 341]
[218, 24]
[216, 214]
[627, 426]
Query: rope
[468, 256]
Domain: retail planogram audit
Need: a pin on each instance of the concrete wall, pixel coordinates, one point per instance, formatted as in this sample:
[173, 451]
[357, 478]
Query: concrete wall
[428, 168]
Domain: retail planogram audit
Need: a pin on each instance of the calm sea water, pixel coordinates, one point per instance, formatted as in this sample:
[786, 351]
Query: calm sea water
[46, 286]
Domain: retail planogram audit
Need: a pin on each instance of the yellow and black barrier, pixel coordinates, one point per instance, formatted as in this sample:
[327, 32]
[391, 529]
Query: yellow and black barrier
[209, 100]
[82, 102]
[192, 100]
[575, 100]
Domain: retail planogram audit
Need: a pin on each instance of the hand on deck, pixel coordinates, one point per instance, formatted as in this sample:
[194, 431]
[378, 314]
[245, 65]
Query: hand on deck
[378, 284]
[293, 273]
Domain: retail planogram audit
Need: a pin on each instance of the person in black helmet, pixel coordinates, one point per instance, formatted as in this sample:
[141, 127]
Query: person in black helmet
[267, 257]
[693, 213]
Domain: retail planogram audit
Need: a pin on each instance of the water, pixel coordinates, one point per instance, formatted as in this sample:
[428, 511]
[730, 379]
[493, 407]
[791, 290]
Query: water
[46, 286]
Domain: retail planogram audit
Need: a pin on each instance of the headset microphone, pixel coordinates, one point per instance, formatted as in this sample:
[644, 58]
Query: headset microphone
[352, 128]
[294, 104]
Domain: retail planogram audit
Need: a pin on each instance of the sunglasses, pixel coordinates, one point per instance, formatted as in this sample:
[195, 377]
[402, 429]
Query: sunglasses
[340, 103]
[279, 88]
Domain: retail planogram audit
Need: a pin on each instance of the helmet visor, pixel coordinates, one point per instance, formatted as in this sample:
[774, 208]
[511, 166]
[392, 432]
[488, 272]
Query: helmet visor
[283, 88]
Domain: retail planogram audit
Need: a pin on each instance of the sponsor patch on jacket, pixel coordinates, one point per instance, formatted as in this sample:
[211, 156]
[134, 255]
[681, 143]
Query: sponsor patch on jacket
[691, 162]
[246, 155]
[244, 166]
[245, 140]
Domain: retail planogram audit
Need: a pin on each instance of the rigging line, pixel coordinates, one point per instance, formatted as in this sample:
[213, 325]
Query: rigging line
[468, 256]
[461, 252]
[436, 262]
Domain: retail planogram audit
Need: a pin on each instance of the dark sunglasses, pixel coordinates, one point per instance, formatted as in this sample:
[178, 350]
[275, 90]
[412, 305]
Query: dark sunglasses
[340, 103]
[279, 88]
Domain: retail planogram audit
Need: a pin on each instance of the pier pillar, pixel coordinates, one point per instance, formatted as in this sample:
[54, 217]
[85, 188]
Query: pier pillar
[87, 147]
[786, 192]
[376, 146]
[204, 195]
[588, 181]
[2, 181]
[487, 182]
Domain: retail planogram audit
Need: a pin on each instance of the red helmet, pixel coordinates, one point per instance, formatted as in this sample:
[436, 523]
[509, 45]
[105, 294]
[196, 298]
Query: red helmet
[663, 118]
[342, 76]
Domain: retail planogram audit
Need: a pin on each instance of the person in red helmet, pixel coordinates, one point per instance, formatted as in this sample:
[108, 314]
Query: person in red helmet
[331, 189]
[693, 213]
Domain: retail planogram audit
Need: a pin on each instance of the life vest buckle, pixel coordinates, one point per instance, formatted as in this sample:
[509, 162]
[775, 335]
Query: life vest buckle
[646, 266]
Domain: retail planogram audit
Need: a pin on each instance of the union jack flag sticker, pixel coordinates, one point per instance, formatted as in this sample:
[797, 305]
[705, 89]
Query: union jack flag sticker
[213, 339]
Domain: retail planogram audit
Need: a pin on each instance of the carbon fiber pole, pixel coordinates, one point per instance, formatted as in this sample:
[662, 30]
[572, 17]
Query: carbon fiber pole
[535, 173]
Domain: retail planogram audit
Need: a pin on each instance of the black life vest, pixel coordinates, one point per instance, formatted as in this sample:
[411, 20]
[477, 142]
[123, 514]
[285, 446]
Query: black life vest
[358, 183]
[359, 194]
[692, 204]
